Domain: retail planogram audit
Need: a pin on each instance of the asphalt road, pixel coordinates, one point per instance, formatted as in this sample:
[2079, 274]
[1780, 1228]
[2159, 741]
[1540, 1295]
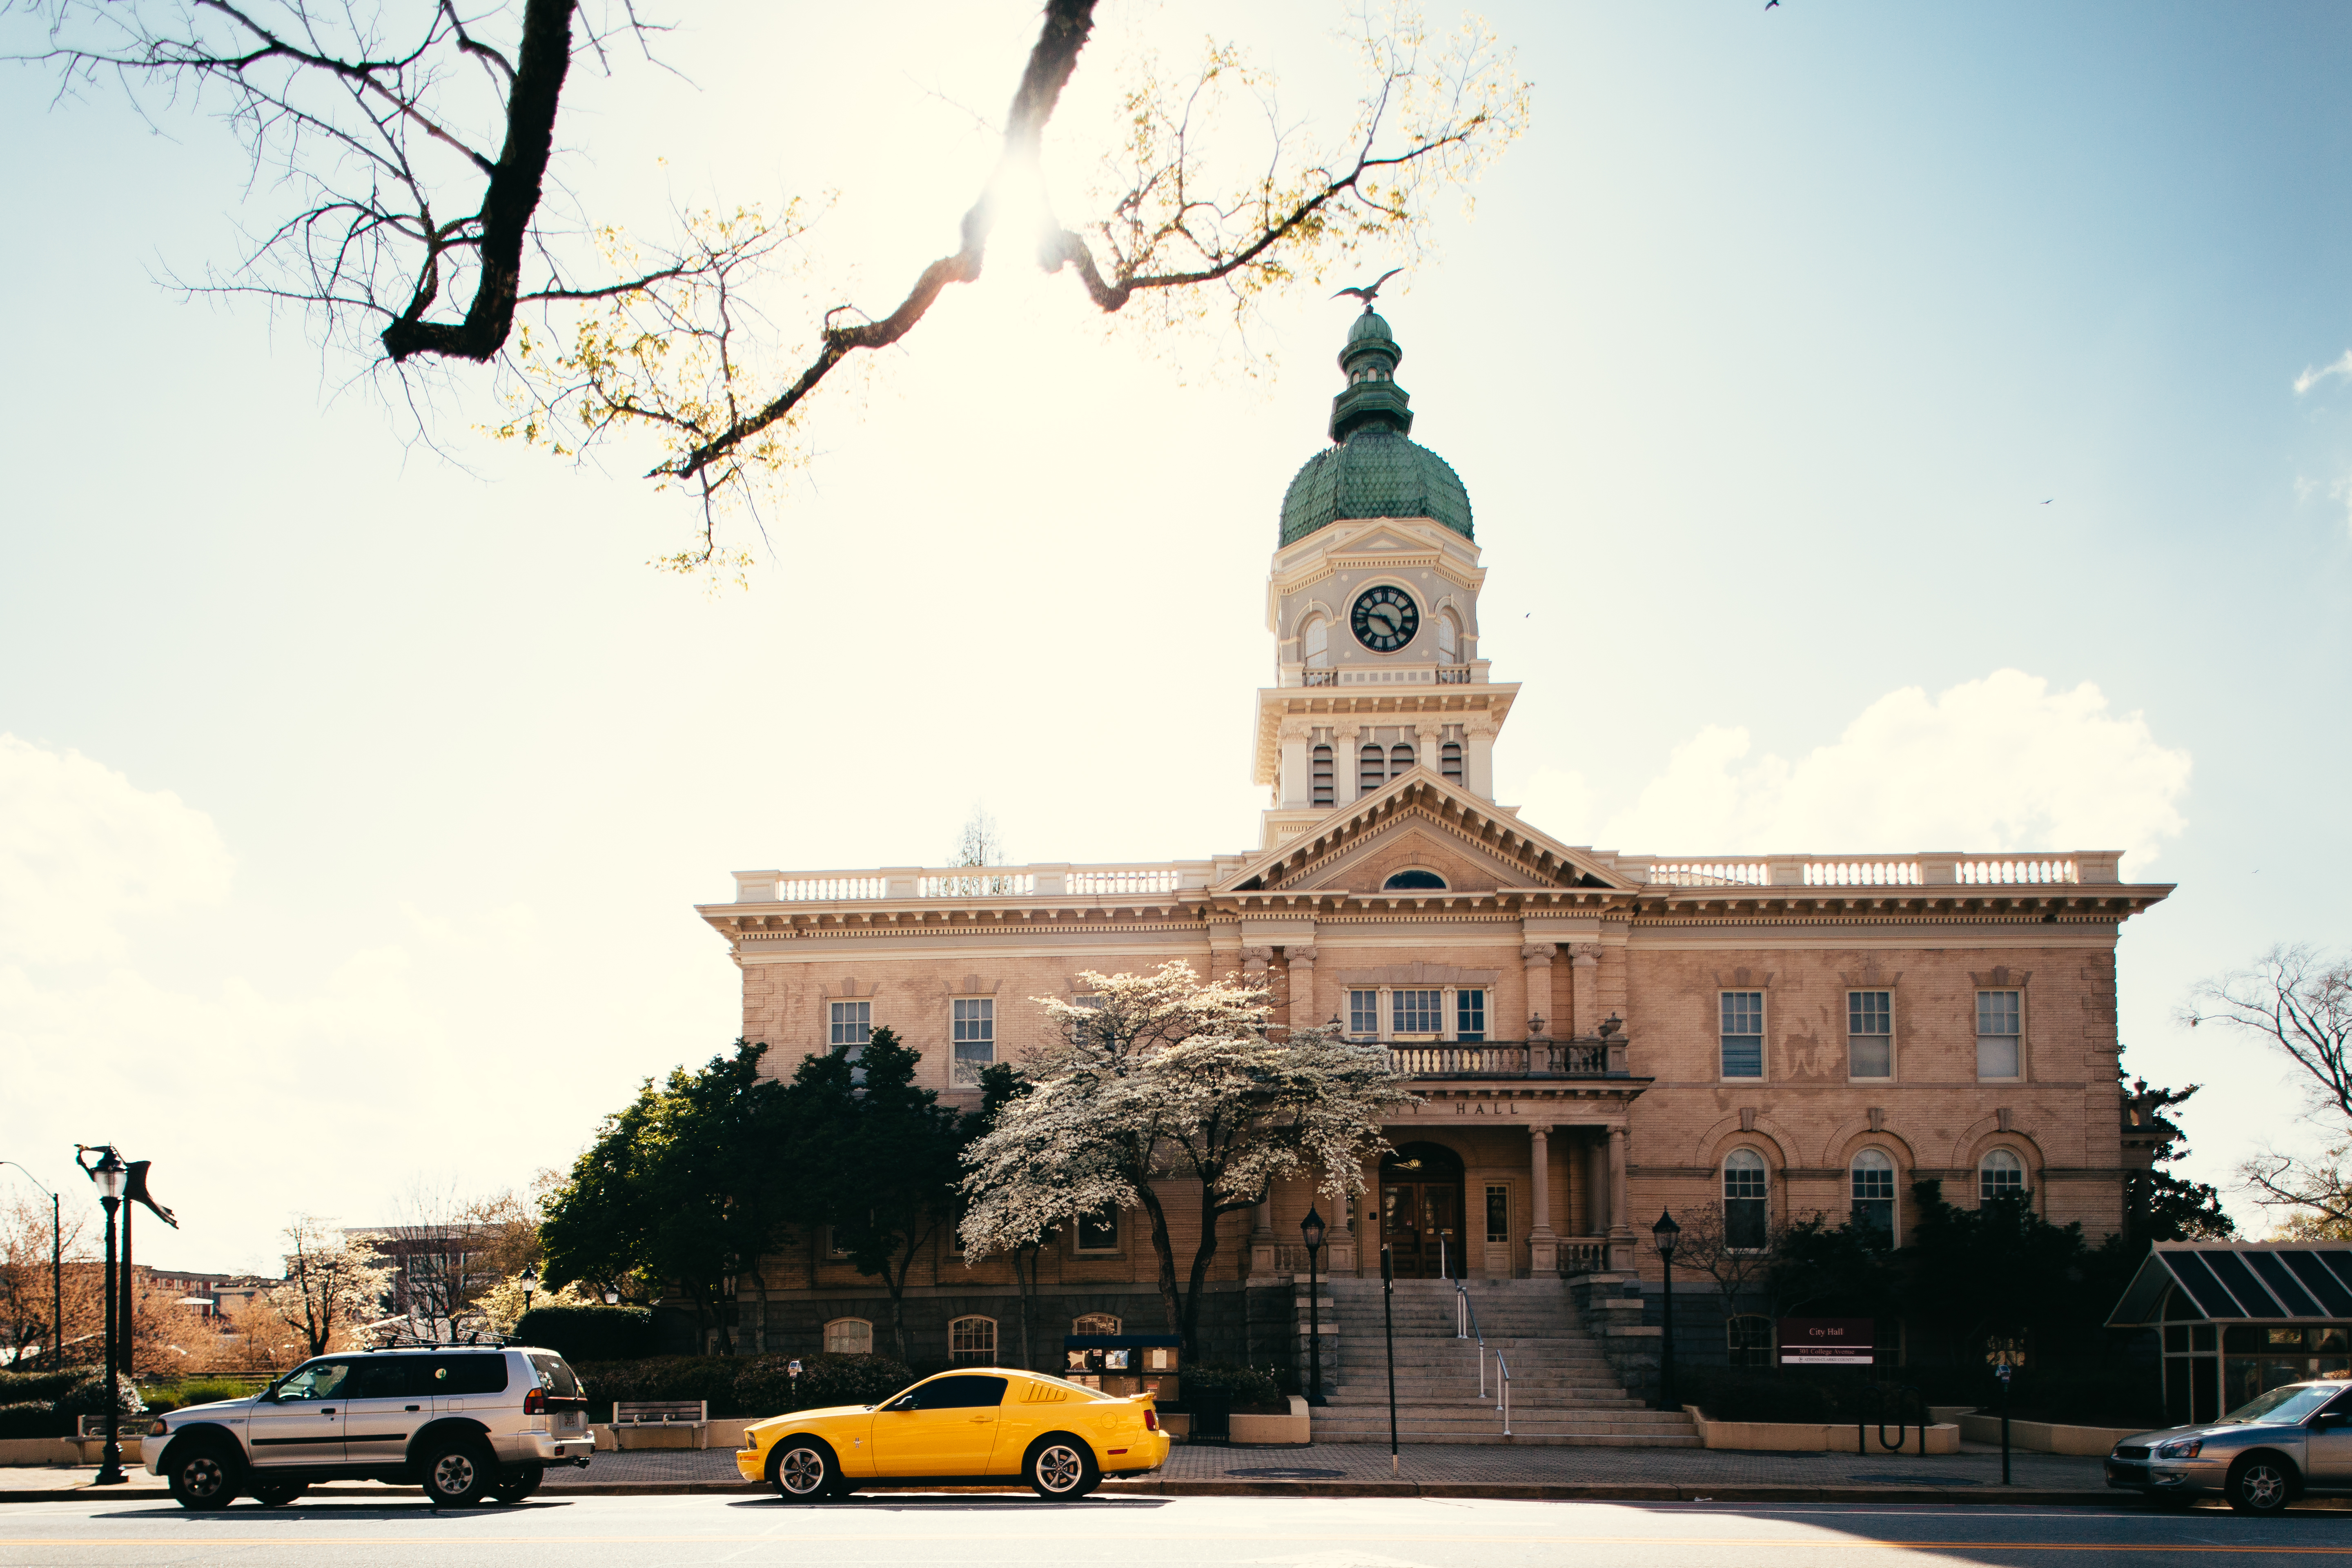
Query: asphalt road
[984, 1532]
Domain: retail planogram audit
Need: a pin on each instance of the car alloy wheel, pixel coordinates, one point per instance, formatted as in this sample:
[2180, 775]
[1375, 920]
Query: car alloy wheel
[1060, 1470]
[2259, 1485]
[458, 1476]
[803, 1473]
[201, 1481]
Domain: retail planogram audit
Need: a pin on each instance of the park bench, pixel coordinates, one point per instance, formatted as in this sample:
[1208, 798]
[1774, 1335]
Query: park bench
[648, 1416]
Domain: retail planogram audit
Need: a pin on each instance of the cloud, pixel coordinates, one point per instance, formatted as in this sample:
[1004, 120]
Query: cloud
[2311, 378]
[2001, 764]
[81, 847]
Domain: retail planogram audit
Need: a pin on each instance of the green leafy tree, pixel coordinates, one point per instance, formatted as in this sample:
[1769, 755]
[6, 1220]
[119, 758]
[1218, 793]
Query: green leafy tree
[2002, 1272]
[876, 1160]
[678, 1186]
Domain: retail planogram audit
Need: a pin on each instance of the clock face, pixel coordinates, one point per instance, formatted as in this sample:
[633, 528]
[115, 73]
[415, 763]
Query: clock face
[1385, 619]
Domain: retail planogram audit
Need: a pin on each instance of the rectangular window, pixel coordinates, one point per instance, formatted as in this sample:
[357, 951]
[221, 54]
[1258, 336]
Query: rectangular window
[975, 1039]
[853, 1024]
[1499, 1214]
[1364, 1013]
[1998, 1035]
[1417, 1012]
[1099, 1232]
[1469, 1015]
[1870, 1034]
[1743, 1034]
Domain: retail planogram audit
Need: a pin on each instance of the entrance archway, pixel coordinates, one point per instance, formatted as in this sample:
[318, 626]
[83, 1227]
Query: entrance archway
[1421, 1211]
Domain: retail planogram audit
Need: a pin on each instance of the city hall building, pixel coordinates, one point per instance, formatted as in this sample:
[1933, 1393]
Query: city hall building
[1594, 1036]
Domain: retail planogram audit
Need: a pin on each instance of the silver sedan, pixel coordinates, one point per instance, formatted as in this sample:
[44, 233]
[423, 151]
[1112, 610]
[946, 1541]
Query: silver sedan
[2292, 1441]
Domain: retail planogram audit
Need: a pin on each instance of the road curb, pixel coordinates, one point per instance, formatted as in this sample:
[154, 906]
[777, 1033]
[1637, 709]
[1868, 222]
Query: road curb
[1522, 1491]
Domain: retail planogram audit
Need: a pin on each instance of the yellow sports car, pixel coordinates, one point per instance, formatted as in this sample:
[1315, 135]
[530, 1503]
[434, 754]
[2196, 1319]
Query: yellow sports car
[966, 1427]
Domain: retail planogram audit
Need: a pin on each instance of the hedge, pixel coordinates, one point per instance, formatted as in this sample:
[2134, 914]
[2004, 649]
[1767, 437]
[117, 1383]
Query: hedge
[743, 1385]
[88, 1397]
[195, 1390]
[2070, 1395]
[589, 1334]
[32, 1419]
[1235, 1386]
[42, 1388]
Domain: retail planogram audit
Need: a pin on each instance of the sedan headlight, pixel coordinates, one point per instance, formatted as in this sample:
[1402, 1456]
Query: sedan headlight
[2187, 1448]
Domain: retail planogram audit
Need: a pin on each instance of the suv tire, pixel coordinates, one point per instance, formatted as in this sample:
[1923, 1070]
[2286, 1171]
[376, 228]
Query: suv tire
[517, 1484]
[459, 1472]
[1060, 1467]
[277, 1494]
[803, 1470]
[203, 1475]
[2261, 1483]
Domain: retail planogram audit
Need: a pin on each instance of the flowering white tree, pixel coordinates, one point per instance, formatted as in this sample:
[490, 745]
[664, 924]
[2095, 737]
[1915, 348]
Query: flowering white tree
[332, 1284]
[1163, 1077]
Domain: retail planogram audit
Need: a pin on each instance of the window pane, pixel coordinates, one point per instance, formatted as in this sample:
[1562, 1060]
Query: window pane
[2001, 1175]
[1499, 1214]
[1743, 1224]
[1997, 1013]
[1470, 1015]
[1872, 1056]
[972, 1339]
[1996, 1055]
[849, 1336]
[1371, 768]
[1099, 1232]
[975, 1039]
[1876, 1215]
[1363, 1012]
[1743, 1034]
[853, 1023]
[1870, 1011]
[1416, 1012]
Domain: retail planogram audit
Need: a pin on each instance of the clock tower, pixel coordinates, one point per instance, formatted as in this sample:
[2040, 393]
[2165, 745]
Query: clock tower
[1373, 604]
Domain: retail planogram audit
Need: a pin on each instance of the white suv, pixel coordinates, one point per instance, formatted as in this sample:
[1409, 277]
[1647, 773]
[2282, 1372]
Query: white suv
[470, 1424]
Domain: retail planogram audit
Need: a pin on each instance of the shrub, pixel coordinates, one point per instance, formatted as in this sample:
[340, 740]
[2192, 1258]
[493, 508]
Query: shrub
[764, 1387]
[1236, 1385]
[32, 1419]
[195, 1390]
[589, 1334]
[40, 1387]
[88, 1397]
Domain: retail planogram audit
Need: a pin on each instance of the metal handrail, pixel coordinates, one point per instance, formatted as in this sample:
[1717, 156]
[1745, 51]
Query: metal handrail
[1465, 1326]
[1503, 1379]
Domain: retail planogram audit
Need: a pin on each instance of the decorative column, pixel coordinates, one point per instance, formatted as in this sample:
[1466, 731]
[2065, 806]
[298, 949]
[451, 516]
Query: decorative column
[1260, 1241]
[1345, 745]
[1340, 1241]
[1620, 1227]
[1304, 1013]
[1594, 1147]
[1296, 786]
[1543, 1245]
[1584, 983]
[1426, 740]
[1478, 759]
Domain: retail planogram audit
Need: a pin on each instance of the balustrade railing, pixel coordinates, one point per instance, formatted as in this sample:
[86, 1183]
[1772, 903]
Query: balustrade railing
[1512, 1059]
[1711, 873]
[826, 889]
[1096, 883]
[1861, 873]
[1457, 676]
[2039, 869]
[1583, 1254]
[976, 885]
[1319, 678]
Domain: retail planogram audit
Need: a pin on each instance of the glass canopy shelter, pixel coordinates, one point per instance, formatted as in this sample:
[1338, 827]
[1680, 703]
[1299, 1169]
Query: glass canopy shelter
[2239, 1317]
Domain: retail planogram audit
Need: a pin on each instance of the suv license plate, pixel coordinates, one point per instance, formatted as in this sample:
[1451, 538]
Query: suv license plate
[571, 1419]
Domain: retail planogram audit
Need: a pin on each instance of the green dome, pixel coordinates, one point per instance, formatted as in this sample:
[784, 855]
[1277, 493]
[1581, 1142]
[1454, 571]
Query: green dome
[1372, 469]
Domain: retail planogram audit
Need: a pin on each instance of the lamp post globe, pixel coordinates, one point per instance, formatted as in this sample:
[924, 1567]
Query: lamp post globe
[1310, 1231]
[1663, 1235]
[529, 1280]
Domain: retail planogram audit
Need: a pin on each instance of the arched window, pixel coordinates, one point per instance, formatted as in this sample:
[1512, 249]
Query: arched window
[1314, 642]
[1095, 1323]
[1448, 638]
[1449, 761]
[1321, 776]
[849, 1336]
[1873, 1195]
[1372, 769]
[1745, 1222]
[1400, 757]
[1414, 880]
[1748, 1339]
[973, 1340]
[2000, 1174]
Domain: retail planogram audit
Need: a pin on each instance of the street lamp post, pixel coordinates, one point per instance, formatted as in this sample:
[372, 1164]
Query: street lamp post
[1664, 1234]
[57, 1273]
[1311, 1230]
[530, 1284]
[107, 1172]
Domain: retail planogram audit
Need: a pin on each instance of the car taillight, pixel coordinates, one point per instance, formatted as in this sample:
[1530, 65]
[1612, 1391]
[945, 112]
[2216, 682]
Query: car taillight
[535, 1402]
[1152, 1420]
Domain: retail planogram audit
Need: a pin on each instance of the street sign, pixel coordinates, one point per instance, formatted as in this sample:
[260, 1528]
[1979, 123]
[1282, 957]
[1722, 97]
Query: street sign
[1827, 1341]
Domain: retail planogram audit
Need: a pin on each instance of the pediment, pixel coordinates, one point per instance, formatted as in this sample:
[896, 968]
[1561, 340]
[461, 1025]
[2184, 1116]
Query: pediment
[1422, 822]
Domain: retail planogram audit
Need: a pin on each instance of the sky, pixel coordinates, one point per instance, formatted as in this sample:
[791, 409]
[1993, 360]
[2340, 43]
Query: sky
[1888, 428]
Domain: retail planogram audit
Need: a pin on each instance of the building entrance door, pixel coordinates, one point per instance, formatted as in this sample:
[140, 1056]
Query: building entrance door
[1421, 1212]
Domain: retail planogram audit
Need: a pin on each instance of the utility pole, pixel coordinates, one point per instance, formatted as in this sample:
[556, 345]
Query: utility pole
[57, 1273]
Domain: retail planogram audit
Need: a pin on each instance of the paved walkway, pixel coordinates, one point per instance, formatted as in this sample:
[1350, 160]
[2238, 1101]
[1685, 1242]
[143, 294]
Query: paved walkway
[1632, 1473]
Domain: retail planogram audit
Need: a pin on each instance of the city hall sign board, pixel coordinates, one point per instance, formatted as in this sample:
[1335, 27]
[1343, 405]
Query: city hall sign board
[1826, 1341]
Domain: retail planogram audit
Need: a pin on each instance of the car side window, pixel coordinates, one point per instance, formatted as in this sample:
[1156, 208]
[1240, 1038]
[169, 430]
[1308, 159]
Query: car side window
[319, 1380]
[392, 1377]
[963, 1392]
[479, 1374]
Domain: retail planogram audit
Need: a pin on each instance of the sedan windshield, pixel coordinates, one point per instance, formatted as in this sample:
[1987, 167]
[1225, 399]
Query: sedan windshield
[2284, 1405]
